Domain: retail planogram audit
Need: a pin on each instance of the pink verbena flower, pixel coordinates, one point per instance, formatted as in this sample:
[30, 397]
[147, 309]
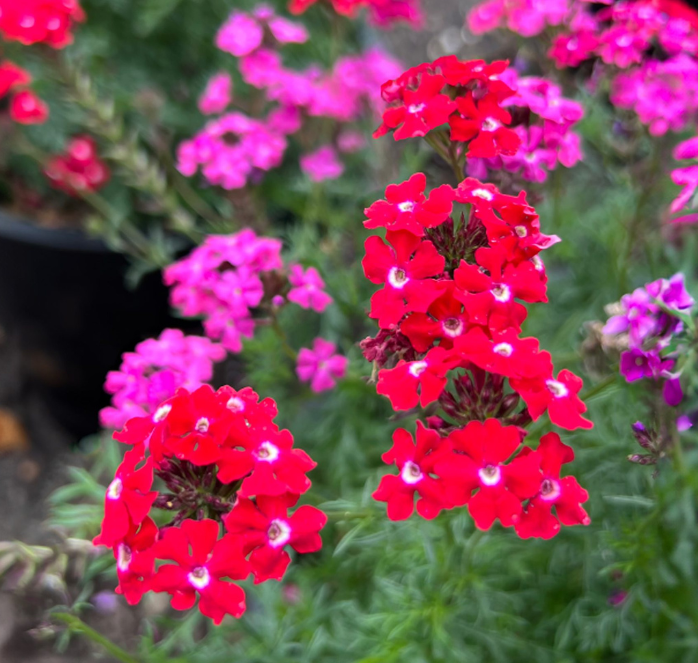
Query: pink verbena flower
[307, 289]
[322, 164]
[240, 34]
[154, 371]
[217, 95]
[321, 366]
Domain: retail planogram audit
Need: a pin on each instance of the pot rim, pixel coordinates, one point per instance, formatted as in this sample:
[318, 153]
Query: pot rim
[67, 239]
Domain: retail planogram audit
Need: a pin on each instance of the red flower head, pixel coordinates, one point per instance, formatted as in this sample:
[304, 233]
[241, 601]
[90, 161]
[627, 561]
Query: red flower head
[505, 353]
[482, 123]
[565, 494]
[428, 376]
[461, 73]
[419, 111]
[265, 528]
[416, 464]
[80, 169]
[33, 21]
[446, 321]
[27, 108]
[267, 463]
[557, 396]
[127, 500]
[407, 208]
[135, 559]
[12, 76]
[490, 299]
[198, 426]
[403, 266]
[201, 563]
[481, 450]
[483, 197]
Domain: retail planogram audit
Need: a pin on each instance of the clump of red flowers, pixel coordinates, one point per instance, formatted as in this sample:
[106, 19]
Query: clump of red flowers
[25, 106]
[450, 308]
[40, 21]
[79, 170]
[227, 477]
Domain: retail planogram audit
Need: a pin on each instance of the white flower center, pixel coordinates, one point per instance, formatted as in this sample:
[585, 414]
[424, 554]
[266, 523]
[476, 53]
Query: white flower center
[484, 194]
[235, 404]
[406, 206]
[199, 578]
[411, 473]
[267, 452]
[490, 475]
[115, 489]
[162, 412]
[452, 327]
[279, 533]
[501, 292]
[202, 425]
[415, 108]
[521, 231]
[417, 368]
[27, 22]
[537, 264]
[503, 349]
[550, 490]
[123, 557]
[490, 124]
[397, 278]
[556, 388]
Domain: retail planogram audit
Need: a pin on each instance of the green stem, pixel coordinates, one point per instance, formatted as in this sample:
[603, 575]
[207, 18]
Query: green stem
[76, 625]
[598, 388]
[278, 330]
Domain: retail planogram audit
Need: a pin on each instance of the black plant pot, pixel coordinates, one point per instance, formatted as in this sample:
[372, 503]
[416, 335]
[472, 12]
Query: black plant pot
[63, 298]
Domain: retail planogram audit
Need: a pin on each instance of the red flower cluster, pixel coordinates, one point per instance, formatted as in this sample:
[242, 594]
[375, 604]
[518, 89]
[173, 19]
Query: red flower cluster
[465, 95]
[470, 466]
[450, 310]
[39, 21]
[221, 461]
[78, 170]
[25, 106]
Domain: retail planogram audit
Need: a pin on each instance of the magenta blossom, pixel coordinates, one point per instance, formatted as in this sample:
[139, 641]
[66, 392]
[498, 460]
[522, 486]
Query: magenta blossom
[322, 164]
[321, 366]
[307, 289]
[217, 95]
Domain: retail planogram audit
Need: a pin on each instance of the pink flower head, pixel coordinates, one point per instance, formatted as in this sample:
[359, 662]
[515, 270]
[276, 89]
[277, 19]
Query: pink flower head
[323, 164]
[307, 289]
[217, 95]
[240, 34]
[321, 366]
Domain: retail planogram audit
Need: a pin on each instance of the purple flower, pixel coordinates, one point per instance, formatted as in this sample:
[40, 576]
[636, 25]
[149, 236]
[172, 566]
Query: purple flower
[321, 366]
[672, 392]
[637, 318]
[307, 289]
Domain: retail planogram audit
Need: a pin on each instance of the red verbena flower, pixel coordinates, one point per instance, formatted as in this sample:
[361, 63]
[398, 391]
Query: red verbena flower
[481, 124]
[202, 562]
[135, 560]
[412, 382]
[27, 108]
[416, 462]
[557, 396]
[266, 528]
[565, 494]
[478, 463]
[419, 110]
[407, 208]
[403, 266]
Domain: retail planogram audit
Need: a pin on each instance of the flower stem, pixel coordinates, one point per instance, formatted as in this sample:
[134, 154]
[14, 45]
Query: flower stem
[76, 625]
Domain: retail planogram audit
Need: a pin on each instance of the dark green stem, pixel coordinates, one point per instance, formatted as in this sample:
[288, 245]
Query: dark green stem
[76, 625]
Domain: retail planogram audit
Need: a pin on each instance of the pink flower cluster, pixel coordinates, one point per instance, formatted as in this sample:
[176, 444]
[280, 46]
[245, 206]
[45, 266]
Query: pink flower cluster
[686, 177]
[234, 149]
[546, 140]
[154, 372]
[229, 279]
[321, 366]
[662, 91]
